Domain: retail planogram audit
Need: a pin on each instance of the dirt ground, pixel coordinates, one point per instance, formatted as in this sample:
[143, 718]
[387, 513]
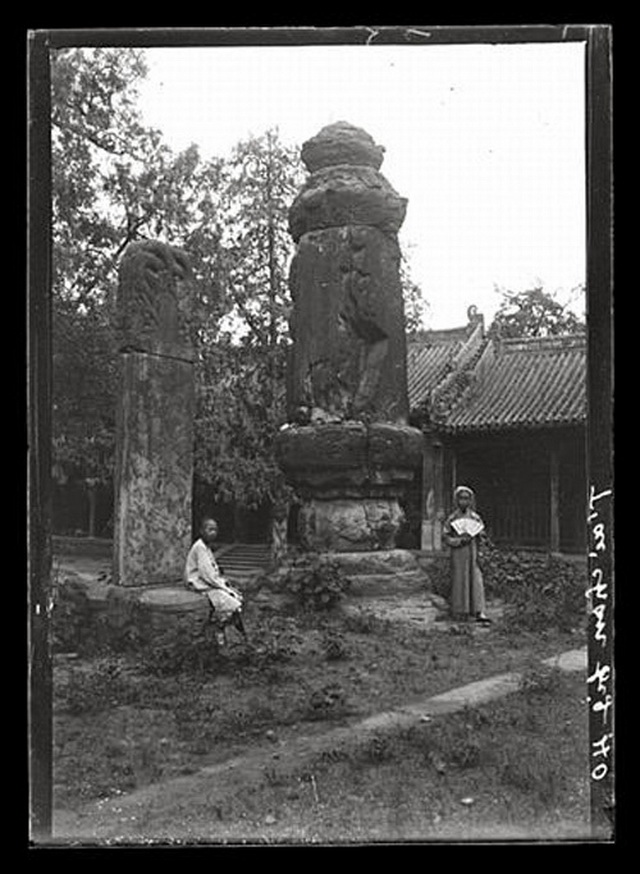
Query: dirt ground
[121, 729]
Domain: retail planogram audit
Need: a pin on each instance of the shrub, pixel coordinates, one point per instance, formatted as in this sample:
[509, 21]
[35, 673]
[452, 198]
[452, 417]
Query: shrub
[328, 702]
[378, 749]
[541, 591]
[551, 594]
[314, 583]
[334, 647]
[439, 574]
[540, 681]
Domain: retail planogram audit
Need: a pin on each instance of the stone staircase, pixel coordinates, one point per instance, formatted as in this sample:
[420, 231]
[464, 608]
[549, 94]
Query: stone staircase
[243, 562]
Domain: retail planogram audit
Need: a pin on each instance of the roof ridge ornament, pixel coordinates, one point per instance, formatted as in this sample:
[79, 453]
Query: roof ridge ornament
[473, 316]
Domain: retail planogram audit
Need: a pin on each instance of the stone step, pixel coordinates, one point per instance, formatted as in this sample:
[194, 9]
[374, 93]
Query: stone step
[384, 562]
[245, 547]
[401, 582]
[242, 565]
[243, 559]
[242, 571]
[244, 556]
[238, 569]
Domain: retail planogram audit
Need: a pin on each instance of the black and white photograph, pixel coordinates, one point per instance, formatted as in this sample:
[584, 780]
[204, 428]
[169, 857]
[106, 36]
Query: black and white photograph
[320, 481]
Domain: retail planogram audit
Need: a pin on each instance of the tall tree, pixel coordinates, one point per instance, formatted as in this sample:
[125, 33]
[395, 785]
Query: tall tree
[92, 115]
[114, 181]
[415, 306]
[258, 186]
[533, 313]
[242, 373]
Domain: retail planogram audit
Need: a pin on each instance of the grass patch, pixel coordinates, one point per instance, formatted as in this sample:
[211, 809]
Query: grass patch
[516, 767]
[191, 705]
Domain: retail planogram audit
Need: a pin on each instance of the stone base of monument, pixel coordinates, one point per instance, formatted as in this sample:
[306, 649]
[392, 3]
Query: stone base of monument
[363, 525]
[157, 608]
[381, 572]
[169, 607]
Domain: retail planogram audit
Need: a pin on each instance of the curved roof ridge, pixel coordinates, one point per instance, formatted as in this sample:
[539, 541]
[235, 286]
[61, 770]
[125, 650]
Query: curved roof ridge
[560, 341]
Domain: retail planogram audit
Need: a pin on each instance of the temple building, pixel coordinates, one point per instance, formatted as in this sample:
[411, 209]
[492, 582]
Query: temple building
[508, 418]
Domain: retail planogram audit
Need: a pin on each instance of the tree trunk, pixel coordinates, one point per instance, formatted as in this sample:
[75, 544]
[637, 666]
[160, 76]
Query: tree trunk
[91, 494]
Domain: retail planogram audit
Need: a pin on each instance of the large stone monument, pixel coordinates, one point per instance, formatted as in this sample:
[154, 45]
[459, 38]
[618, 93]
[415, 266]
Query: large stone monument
[154, 442]
[347, 449]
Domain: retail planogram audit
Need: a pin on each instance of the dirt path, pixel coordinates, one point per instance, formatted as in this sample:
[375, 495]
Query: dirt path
[164, 811]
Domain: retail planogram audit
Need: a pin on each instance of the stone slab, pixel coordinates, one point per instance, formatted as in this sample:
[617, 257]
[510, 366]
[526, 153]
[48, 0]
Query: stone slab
[173, 600]
[383, 561]
[402, 582]
[154, 470]
[573, 660]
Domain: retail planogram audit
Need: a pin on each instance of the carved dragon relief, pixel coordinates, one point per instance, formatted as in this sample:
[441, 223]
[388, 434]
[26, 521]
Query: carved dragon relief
[154, 300]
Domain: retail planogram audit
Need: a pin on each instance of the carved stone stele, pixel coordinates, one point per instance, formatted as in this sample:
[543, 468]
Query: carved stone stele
[155, 415]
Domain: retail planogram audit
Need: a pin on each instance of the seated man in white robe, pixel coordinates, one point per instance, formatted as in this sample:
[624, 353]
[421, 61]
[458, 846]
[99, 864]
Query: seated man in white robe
[202, 574]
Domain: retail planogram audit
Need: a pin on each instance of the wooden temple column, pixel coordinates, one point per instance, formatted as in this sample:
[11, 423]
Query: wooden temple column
[554, 500]
[454, 472]
[433, 510]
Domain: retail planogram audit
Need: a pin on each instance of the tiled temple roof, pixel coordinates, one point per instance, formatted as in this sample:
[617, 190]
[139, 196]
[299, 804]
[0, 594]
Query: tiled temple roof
[519, 383]
[528, 384]
[426, 366]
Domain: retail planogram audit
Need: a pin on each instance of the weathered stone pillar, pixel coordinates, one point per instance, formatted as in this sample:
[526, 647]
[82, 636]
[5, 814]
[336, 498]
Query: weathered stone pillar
[154, 442]
[348, 449]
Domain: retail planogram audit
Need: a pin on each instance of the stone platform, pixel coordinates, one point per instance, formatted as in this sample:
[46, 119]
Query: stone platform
[392, 583]
[381, 572]
[162, 607]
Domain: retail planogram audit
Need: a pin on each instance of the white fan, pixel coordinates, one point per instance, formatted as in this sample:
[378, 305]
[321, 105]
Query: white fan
[467, 526]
